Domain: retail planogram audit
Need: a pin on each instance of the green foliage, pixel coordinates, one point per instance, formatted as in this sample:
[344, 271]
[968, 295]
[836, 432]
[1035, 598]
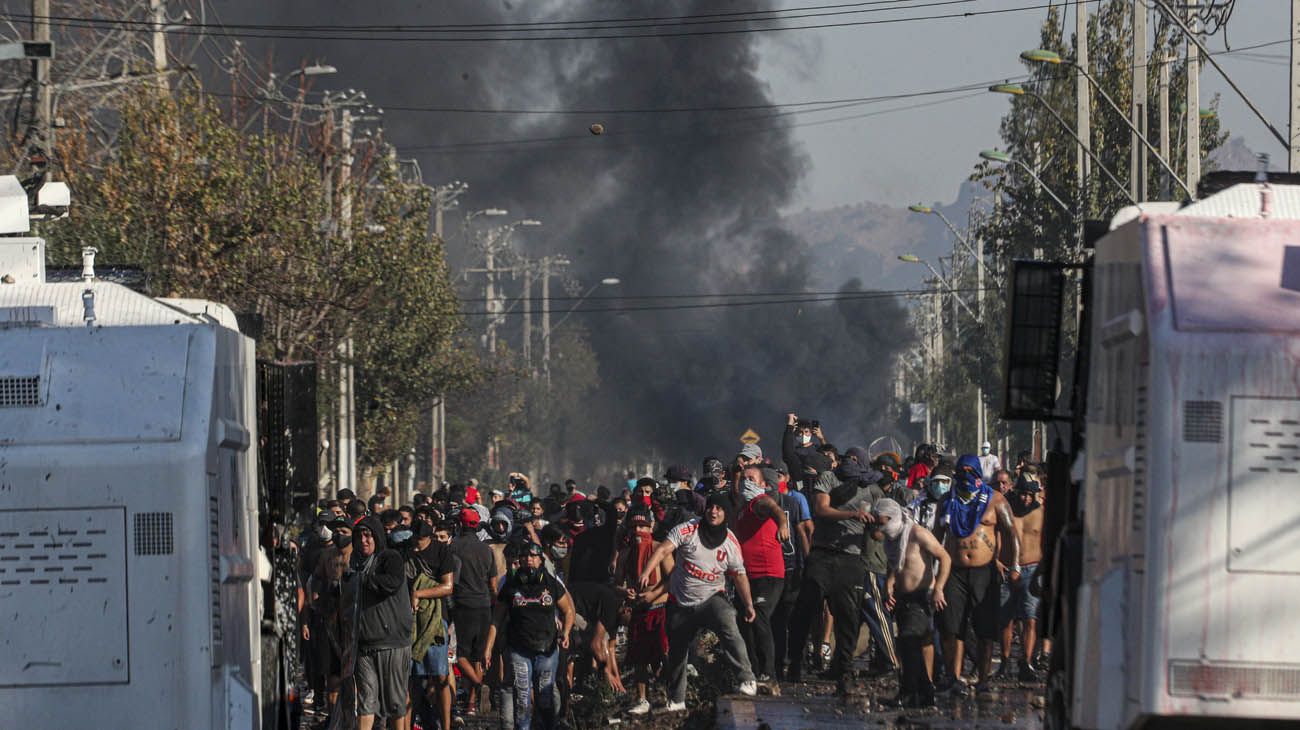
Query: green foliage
[212, 212]
[1025, 222]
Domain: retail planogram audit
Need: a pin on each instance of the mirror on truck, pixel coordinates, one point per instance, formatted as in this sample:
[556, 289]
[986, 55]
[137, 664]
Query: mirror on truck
[1035, 296]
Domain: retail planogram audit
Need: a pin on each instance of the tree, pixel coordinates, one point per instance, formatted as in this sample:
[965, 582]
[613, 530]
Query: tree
[211, 212]
[1025, 222]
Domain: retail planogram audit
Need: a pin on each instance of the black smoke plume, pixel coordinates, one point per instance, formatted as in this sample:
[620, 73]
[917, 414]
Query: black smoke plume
[672, 204]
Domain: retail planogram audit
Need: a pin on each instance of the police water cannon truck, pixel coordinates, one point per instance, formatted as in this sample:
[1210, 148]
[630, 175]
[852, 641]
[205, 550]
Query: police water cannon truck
[1174, 553]
[129, 557]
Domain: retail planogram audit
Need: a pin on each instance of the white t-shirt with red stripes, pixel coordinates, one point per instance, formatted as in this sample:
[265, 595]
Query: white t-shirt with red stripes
[700, 572]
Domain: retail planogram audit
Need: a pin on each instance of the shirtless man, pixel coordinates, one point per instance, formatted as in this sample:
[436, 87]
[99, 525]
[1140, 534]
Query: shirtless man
[1018, 603]
[914, 590]
[976, 516]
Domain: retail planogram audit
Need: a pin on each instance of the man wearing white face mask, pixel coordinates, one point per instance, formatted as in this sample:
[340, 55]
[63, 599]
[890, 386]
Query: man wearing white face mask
[799, 442]
[761, 528]
[989, 462]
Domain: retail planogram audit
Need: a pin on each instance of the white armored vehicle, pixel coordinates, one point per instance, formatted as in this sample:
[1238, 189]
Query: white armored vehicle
[128, 506]
[1174, 587]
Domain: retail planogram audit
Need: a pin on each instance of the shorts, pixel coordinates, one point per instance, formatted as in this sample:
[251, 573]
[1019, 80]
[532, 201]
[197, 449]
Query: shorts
[381, 677]
[435, 662]
[1017, 602]
[647, 637]
[972, 595]
[914, 617]
[471, 631]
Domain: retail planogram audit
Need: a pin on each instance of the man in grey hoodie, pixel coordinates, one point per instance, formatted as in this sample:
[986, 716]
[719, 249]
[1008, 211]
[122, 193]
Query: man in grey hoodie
[384, 625]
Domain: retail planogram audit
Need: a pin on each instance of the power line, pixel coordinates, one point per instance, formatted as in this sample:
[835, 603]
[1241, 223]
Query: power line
[643, 136]
[854, 297]
[775, 14]
[192, 29]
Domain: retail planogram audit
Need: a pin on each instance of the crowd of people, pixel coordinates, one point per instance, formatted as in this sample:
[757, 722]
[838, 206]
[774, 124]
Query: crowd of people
[420, 615]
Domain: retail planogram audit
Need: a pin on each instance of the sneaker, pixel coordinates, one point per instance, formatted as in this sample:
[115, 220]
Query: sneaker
[675, 707]
[749, 688]
[826, 654]
[1027, 673]
[1004, 669]
[639, 708]
[983, 688]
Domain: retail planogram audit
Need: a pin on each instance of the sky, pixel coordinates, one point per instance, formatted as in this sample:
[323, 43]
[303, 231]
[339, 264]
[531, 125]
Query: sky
[923, 154]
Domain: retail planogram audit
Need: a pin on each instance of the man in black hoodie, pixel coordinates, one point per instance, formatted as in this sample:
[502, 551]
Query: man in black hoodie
[384, 627]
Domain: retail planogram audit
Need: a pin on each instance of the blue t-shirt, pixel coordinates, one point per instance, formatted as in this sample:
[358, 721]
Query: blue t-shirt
[795, 506]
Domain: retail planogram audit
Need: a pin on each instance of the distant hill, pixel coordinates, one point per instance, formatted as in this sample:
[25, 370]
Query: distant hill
[865, 240]
[1235, 155]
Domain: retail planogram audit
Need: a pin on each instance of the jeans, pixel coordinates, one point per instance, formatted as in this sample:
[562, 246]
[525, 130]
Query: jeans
[757, 634]
[534, 671]
[835, 578]
[878, 621]
[684, 622]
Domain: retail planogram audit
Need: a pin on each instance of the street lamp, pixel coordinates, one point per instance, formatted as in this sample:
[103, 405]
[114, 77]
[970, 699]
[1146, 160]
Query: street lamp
[1006, 159]
[1039, 55]
[1020, 90]
[313, 70]
[912, 259]
[607, 281]
[548, 329]
[928, 210]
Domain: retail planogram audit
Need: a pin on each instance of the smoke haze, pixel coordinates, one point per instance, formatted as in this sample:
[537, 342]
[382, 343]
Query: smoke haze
[680, 203]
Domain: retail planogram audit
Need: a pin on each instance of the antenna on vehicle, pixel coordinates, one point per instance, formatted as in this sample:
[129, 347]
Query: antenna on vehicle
[88, 263]
[1265, 192]
[88, 306]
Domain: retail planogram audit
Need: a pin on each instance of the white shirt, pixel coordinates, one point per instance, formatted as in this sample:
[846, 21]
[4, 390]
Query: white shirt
[989, 463]
[700, 572]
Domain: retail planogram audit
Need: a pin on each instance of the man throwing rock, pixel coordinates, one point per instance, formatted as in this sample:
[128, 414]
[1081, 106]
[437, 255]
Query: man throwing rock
[705, 552]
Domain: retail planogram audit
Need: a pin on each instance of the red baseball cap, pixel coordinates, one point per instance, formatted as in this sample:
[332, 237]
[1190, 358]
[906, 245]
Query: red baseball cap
[469, 517]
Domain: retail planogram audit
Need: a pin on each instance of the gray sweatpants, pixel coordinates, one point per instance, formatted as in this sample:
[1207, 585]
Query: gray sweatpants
[684, 623]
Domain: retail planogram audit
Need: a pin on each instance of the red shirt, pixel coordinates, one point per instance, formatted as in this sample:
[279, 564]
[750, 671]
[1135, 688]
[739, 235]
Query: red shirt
[759, 545]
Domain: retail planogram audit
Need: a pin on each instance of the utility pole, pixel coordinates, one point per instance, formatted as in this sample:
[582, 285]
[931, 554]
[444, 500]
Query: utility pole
[44, 89]
[158, 10]
[1293, 160]
[345, 175]
[546, 319]
[489, 296]
[347, 450]
[1193, 100]
[528, 316]
[1138, 153]
[1082, 108]
[1166, 185]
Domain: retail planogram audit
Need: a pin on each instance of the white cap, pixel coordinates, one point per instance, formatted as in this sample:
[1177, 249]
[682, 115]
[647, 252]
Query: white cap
[986, 445]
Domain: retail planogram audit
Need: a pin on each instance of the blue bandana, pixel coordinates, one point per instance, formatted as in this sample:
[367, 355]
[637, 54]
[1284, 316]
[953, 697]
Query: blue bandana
[964, 517]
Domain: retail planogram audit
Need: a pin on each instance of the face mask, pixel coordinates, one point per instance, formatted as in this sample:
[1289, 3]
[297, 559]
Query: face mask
[560, 551]
[324, 533]
[341, 540]
[528, 575]
[805, 439]
[984, 451]
[751, 490]
[938, 488]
